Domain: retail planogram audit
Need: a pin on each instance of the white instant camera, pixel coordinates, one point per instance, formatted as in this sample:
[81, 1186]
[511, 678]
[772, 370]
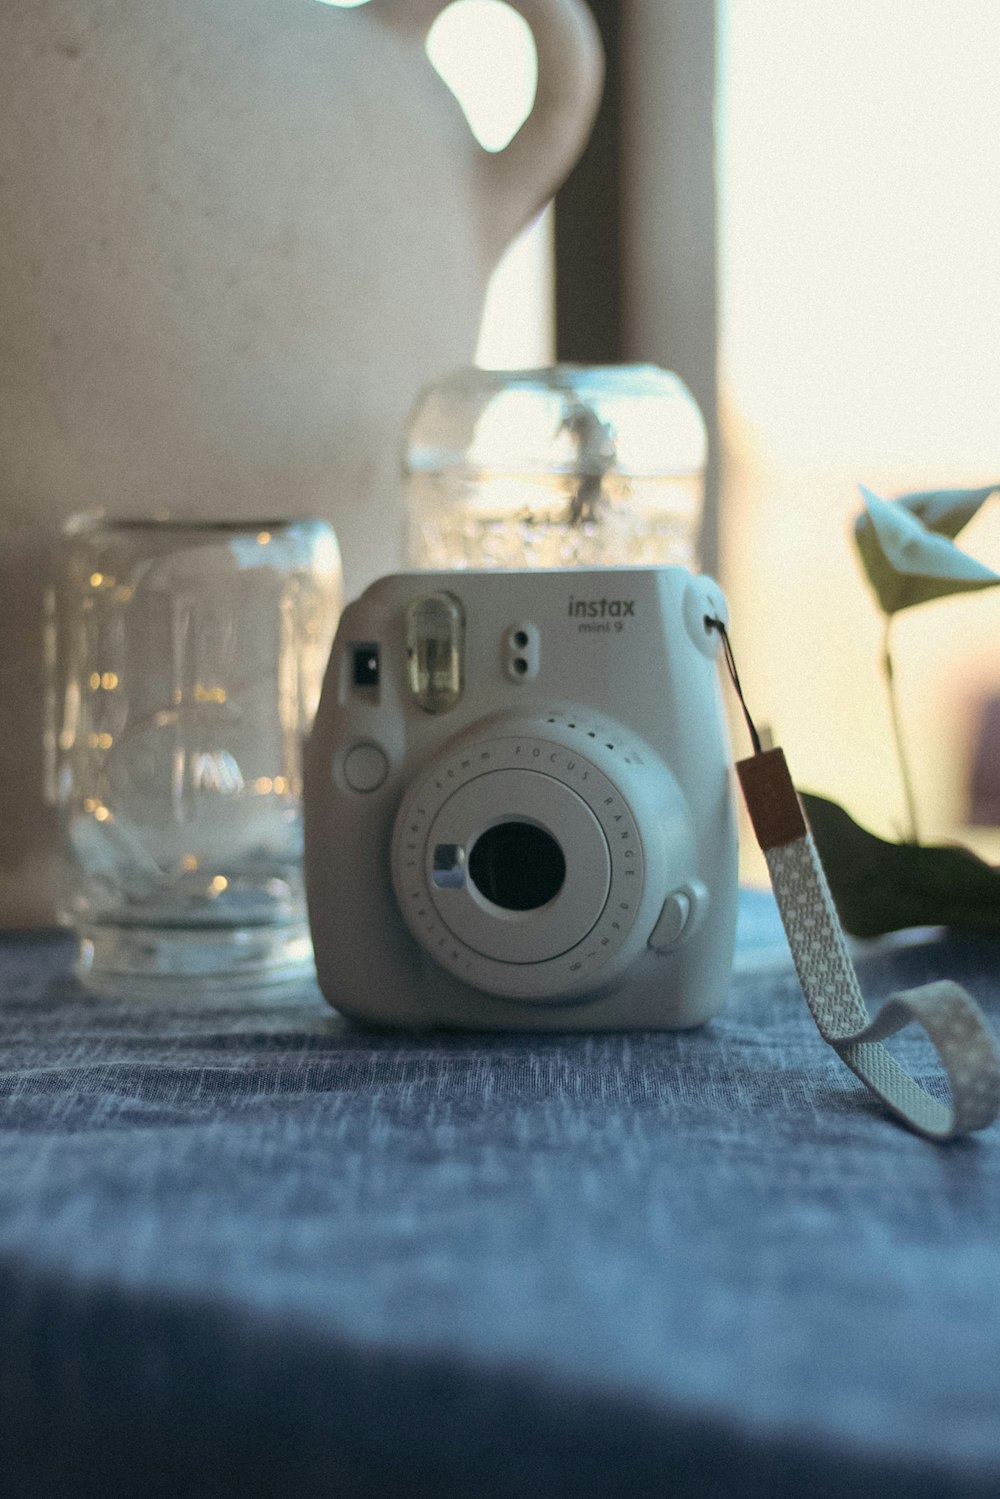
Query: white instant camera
[518, 811]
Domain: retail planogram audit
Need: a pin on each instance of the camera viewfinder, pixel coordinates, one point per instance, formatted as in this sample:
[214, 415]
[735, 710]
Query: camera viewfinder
[365, 665]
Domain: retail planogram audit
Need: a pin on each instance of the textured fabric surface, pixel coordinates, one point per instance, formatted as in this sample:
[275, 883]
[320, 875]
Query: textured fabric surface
[251, 1250]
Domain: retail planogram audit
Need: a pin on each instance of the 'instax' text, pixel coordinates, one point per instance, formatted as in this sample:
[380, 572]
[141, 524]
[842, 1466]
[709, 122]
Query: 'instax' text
[601, 616]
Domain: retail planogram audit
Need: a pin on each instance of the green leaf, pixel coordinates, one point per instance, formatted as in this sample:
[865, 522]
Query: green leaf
[907, 562]
[946, 510]
[882, 887]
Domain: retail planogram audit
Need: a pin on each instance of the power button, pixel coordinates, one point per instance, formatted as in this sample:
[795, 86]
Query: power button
[365, 767]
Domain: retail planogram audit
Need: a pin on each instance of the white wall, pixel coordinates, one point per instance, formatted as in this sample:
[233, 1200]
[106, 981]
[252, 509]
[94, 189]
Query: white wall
[860, 281]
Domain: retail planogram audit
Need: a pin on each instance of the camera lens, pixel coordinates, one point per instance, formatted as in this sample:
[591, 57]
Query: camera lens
[517, 865]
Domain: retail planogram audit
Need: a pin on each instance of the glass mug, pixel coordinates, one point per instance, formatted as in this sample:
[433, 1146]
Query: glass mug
[185, 663]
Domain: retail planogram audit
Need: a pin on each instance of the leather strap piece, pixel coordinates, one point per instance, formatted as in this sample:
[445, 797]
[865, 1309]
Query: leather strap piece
[954, 1022]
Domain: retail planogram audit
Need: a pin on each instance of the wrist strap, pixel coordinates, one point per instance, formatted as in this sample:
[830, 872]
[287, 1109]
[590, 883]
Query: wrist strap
[954, 1022]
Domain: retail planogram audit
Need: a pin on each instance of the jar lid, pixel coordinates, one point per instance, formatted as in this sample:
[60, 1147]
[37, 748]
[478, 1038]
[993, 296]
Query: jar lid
[633, 419]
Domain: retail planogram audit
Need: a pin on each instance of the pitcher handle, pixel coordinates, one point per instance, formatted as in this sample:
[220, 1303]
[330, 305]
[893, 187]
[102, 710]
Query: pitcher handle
[519, 180]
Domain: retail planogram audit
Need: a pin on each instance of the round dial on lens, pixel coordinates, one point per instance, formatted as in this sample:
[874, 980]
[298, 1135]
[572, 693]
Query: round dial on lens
[518, 866]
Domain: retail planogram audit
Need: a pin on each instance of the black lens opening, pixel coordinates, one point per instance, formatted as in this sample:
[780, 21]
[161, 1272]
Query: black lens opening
[517, 865]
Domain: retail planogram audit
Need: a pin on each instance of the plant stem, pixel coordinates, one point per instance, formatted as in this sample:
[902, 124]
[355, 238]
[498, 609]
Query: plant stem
[912, 835]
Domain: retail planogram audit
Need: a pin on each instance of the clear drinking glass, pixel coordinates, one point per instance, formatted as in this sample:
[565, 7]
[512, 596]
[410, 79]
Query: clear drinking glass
[185, 664]
[570, 466]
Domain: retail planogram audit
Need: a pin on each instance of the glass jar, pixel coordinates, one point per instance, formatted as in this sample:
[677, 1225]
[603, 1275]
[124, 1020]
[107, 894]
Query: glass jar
[570, 466]
[185, 665]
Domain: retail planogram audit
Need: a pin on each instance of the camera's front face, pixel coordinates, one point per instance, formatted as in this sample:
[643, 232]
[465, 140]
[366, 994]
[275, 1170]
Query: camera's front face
[517, 809]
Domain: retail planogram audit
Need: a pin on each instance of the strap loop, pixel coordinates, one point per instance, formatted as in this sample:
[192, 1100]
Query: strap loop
[954, 1022]
[949, 1015]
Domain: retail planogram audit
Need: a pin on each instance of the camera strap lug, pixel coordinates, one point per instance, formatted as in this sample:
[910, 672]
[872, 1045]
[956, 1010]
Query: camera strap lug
[956, 1025]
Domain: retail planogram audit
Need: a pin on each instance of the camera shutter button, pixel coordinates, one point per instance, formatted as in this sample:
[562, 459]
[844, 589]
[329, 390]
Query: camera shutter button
[672, 920]
[365, 767]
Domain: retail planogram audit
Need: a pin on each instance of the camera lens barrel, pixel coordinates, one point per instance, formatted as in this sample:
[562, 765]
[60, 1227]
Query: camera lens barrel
[517, 827]
[518, 861]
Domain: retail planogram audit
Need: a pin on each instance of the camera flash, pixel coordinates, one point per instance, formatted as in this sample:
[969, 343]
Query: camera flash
[435, 629]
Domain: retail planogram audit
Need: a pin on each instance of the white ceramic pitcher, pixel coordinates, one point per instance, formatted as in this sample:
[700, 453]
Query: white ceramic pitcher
[236, 236]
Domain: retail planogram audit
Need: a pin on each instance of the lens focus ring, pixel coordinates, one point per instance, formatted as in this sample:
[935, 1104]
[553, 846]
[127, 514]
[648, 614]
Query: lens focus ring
[541, 932]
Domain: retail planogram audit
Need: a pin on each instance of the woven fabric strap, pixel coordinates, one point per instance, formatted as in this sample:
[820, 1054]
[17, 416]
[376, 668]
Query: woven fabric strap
[950, 1016]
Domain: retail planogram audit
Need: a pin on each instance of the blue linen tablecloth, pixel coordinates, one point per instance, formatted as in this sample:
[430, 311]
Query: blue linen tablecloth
[246, 1248]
